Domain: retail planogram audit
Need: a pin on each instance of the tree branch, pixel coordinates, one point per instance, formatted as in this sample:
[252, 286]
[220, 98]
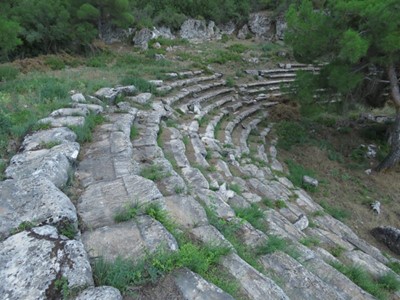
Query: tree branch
[394, 86]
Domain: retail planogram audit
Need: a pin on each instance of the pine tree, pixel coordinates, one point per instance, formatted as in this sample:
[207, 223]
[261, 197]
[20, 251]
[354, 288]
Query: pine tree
[360, 41]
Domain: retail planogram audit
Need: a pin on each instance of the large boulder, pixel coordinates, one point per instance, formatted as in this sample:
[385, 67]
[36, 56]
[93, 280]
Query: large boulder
[261, 24]
[390, 236]
[142, 37]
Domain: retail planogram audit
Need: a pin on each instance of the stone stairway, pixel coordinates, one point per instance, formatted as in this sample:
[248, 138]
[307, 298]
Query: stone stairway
[211, 147]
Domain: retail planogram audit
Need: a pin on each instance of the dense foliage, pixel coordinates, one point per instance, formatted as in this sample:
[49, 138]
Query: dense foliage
[32, 27]
[359, 44]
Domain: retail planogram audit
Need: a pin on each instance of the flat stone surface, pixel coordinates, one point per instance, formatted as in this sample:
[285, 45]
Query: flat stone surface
[208, 234]
[39, 139]
[194, 287]
[66, 112]
[34, 200]
[63, 121]
[297, 282]
[102, 201]
[194, 178]
[94, 108]
[343, 285]
[271, 189]
[141, 98]
[130, 240]
[100, 293]
[54, 164]
[186, 211]
[31, 262]
[213, 201]
[280, 226]
[254, 284]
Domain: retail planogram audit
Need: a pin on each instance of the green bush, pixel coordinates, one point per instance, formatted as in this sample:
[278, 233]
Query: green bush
[291, 134]
[55, 63]
[253, 214]
[8, 73]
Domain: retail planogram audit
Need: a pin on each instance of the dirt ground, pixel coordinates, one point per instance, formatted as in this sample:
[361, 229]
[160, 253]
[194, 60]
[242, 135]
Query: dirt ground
[345, 184]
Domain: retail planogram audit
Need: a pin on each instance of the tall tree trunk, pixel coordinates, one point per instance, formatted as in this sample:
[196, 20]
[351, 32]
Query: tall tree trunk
[393, 157]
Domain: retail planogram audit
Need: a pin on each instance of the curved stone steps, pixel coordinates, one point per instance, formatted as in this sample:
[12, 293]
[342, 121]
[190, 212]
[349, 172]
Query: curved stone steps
[199, 100]
[190, 90]
[193, 80]
[184, 74]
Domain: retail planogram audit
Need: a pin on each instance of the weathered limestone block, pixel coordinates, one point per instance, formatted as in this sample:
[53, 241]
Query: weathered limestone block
[194, 287]
[208, 234]
[65, 112]
[102, 201]
[32, 261]
[342, 284]
[100, 293]
[213, 201]
[34, 200]
[41, 138]
[54, 163]
[254, 284]
[63, 121]
[186, 211]
[297, 282]
[129, 240]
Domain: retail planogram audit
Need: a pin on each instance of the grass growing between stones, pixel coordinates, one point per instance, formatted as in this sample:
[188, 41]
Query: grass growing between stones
[253, 215]
[275, 243]
[335, 212]
[381, 288]
[84, 133]
[154, 172]
[125, 274]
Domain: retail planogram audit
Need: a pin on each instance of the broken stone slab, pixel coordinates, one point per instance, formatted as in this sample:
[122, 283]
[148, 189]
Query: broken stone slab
[253, 284]
[307, 180]
[209, 235]
[367, 248]
[42, 138]
[271, 189]
[297, 281]
[66, 112]
[100, 293]
[388, 235]
[63, 121]
[328, 239]
[141, 98]
[101, 201]
[342, 284]
[213, 201]
[178, 149]
[33, 200]
[186, 211]
[305, 202]
[301, 223]
[195, 178]
[194, 287]
[110, 94]
[31, 262]
[367, 262]
[78, 97]
[54, 164]
[128, 240]
[93, 108]
[280, 226]
[247, 234]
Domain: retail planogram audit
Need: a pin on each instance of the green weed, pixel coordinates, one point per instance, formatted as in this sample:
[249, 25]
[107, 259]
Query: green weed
[154, 172]
[49, 145]
[335, 212]
[236, 188]
[8, 73]
[395, 266]
[337, 251]
[54, 62]
[84, 133]
[155, 211]
[275, 243]
[129, 212]
[310, 241]
[380, 288]
[68, 229]
[25, 225]
[291, 134]
[222, 57]
[134, 132]
[253, 215]
[61, 285]
[280, 204]
[297, 172]
[238, 48]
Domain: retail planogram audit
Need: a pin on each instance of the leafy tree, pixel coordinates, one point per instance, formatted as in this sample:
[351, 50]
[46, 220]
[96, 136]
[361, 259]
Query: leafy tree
[9, 36]
[360, 42]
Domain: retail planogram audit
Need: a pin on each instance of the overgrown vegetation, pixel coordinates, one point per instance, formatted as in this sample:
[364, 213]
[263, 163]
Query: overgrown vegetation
[84, 133]
[253, 214]
[154, 172]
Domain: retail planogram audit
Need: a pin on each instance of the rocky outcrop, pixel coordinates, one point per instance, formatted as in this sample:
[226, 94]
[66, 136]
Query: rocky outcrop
[390, 236]
[193, 29]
